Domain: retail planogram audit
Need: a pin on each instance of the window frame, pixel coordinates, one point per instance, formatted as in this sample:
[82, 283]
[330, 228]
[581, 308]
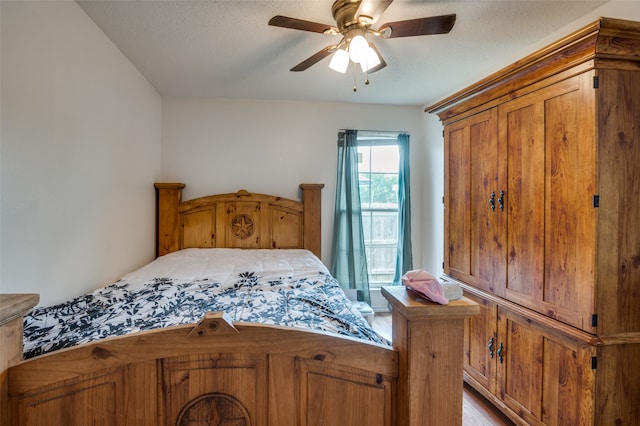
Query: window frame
[372, 140]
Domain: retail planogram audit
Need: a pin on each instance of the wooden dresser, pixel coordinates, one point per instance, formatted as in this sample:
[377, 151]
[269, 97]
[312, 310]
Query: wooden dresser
[542, 228]
[12, 309]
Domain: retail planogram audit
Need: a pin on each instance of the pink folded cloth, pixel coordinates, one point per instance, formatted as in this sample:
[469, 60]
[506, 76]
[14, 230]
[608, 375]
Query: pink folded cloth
[426, 285]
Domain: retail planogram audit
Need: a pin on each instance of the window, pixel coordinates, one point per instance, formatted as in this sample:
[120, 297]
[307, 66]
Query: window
[372, 224]
[378, 162]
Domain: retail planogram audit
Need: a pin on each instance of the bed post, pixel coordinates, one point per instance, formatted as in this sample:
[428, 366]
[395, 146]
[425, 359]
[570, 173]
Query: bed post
[168, 197]
[429, 340]
[311, 198]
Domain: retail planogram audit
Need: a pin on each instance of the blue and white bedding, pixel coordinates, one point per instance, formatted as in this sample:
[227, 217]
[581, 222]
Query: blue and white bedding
[282, 287]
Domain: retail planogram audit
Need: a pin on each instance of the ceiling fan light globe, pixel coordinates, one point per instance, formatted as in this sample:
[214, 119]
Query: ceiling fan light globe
[358, 49]
[372, 60]
[339, 61]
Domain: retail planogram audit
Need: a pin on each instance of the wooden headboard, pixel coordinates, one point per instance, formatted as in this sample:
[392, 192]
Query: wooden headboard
[238, 220]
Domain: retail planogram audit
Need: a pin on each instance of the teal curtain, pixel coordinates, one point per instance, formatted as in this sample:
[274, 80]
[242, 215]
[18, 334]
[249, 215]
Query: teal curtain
[404, 259]
[349, 261]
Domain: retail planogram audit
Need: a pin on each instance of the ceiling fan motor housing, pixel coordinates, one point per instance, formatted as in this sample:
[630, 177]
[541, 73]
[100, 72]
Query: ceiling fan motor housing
[344, 12]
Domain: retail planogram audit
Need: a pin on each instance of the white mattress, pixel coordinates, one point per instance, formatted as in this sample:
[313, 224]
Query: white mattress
[220, 264]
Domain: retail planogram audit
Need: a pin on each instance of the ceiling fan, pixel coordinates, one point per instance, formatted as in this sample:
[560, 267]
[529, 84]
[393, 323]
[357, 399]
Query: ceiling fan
[354, 21]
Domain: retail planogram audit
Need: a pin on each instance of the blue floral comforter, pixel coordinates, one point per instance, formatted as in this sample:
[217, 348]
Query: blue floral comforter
[282, 287]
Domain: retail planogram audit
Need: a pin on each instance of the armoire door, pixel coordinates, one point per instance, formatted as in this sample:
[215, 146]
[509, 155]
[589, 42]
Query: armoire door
[475, 221]
[550, 143]
[480, 344]
[544, 376]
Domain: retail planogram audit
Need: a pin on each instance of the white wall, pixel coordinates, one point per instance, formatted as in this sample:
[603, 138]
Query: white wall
[80, 152]
[620, 9]
[222, 145]
[432, 236]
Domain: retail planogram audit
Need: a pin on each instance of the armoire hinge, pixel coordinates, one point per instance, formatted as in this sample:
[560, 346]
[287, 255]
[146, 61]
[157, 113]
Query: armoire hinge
[596, 82]
[594, 320]
[594, 362]
[596, 201]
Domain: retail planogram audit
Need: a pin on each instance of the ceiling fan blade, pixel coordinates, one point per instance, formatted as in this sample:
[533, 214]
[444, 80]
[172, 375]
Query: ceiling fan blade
[382, 63]
[313, 59]
[372, 9]
[420, 26]
[299, 24]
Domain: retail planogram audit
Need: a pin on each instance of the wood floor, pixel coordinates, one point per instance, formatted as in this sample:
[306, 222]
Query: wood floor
[476, 410]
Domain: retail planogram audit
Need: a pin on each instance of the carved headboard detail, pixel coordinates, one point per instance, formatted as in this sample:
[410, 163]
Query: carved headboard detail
[238, 220]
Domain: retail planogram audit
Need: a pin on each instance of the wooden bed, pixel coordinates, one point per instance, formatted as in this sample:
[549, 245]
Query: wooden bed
[219, 373]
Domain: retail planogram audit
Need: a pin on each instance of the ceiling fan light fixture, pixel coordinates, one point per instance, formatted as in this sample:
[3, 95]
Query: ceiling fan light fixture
[358, 49]
[339, 61]
[373, 60]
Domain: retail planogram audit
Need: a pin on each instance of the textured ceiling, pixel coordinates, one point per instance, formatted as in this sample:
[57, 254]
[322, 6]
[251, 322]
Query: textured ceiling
[225, 49]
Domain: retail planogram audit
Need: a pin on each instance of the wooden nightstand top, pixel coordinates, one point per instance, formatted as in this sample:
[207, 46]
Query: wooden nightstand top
[411, 305]
[15, 305]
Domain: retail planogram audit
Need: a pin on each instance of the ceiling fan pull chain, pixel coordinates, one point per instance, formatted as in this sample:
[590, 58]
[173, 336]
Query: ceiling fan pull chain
[355, 86]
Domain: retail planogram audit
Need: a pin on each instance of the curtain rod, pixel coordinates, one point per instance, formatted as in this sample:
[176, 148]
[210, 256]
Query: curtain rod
[377, 132]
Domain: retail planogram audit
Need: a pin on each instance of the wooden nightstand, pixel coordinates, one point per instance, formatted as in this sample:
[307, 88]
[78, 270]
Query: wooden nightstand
[12, 309]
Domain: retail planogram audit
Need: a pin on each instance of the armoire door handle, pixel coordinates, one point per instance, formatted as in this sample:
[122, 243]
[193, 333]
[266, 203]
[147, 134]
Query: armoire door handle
[492, 201]
[500, 352]
[501, 200]
[492, 342]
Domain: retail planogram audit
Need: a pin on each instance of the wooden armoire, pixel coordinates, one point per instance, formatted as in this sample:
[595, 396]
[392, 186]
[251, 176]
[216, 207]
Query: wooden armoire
[542, 228]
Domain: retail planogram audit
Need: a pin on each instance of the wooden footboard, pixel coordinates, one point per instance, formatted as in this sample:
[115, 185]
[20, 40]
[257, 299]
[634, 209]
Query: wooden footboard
[251, 374]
